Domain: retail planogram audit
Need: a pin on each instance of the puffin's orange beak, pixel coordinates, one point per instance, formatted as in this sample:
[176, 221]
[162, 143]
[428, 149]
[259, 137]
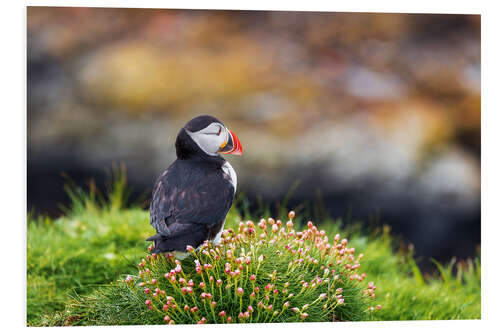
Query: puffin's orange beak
[232, 145]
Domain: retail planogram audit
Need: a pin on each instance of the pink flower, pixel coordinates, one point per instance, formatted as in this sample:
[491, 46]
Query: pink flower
[148, 302]
[379, 307]
[291, 214]
[304, 316]
[229, 319]
[239, 291]
[252, 277]
[222, 314]
[146, 290]
[166, 318]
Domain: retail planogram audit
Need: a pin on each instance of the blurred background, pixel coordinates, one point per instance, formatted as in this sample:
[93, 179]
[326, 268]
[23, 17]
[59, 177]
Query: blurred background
[376, 117]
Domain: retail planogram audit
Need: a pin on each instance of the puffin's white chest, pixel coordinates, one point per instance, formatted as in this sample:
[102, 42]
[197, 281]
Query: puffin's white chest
[228, 170]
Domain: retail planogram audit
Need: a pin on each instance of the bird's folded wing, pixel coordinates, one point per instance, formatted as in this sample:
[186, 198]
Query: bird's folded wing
[177, 206]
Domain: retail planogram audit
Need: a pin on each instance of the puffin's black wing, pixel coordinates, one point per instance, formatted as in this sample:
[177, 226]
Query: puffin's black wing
[189, 205]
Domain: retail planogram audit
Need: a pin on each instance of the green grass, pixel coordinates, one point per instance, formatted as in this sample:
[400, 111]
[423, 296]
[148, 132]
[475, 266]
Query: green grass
[75, 262]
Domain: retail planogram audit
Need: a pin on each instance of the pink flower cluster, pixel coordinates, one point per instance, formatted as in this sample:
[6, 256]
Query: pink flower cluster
[236, 275]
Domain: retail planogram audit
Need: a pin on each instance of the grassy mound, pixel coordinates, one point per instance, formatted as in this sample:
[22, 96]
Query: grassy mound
[267, 274]
[78, 265]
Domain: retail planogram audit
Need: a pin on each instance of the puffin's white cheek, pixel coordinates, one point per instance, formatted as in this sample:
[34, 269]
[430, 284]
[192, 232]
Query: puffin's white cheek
[210, 143]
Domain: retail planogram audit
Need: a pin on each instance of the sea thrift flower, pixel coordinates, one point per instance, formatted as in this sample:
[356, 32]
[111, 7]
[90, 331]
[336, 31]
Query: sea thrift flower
[222, 314]
[239, 291]
[252, 277]
[304, 316]
[291, 214]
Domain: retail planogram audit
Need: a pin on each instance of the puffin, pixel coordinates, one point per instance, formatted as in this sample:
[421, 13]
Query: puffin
[191, 198]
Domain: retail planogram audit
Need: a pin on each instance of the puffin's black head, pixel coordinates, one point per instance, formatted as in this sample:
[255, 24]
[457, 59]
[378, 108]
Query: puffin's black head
[206, 136]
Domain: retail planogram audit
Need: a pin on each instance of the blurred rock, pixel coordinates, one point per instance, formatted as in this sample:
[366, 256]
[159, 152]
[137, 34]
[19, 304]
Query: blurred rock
[379, 113]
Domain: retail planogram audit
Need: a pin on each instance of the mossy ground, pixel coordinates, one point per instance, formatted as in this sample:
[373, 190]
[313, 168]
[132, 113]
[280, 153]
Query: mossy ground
[77, 257]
